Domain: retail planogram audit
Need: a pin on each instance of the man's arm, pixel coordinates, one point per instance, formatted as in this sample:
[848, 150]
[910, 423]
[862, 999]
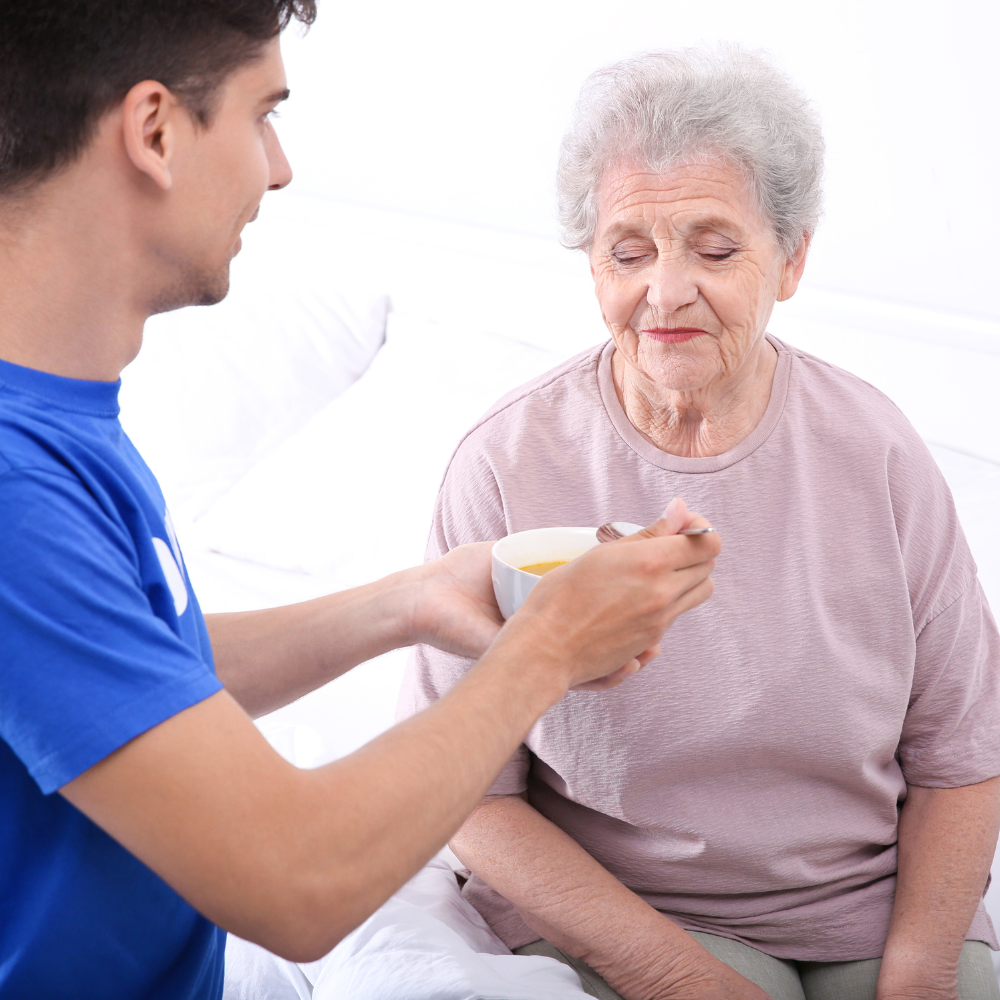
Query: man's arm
[269, 658]
[294, 860]
[947, 837]
[571, 900]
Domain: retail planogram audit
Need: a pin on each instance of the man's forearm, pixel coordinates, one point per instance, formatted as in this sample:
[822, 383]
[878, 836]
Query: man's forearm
[947, 838]
[571, 900]
[269, 658]
[294, 859]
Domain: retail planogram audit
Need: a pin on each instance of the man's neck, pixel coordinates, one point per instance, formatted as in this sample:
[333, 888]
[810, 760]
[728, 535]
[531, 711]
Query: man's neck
[67, 302]
[704, 422]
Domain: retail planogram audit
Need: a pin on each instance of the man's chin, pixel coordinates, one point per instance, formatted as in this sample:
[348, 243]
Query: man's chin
[196, 289]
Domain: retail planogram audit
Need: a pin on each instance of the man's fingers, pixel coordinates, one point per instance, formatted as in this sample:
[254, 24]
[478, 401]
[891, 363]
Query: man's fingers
[610, 680]
[675, 518]
[622, 673]
[691, 598]
[649, 654]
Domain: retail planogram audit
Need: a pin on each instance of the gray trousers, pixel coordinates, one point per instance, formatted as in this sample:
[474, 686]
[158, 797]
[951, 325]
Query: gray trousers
[786, 980]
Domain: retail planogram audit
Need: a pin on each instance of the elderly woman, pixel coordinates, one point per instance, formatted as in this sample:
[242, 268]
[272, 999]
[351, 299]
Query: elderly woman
[798, 798]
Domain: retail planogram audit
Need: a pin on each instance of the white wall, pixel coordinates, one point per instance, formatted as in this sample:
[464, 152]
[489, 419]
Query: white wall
[455, 109]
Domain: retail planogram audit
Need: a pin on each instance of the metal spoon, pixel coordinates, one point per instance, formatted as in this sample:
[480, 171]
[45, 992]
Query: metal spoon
[619, 529]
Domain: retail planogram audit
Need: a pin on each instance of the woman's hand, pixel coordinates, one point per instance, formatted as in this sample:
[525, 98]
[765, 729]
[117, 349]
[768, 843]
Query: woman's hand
[947, 839]
[919, 991]
[669, 972]
[710, 979]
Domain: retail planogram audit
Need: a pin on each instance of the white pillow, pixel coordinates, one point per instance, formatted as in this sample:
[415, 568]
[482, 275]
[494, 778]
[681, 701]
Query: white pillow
[214, 389]
[350, 496]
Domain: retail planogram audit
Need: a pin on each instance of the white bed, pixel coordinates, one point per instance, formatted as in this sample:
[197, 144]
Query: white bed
[300, 454]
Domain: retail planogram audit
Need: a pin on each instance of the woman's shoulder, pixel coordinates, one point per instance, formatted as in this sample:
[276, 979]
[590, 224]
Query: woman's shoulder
[846, 402]
[560, 384]
[559, 394]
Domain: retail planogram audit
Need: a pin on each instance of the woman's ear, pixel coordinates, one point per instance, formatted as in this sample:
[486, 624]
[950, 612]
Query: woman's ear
[149, 123]
[794, 266]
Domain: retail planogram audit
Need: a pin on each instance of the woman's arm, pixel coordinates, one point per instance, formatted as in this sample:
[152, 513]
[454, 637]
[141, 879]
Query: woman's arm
[947, 837]
[568, 898]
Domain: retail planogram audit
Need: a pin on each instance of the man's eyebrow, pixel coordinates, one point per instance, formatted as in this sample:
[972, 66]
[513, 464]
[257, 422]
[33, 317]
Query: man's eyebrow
[277, 97]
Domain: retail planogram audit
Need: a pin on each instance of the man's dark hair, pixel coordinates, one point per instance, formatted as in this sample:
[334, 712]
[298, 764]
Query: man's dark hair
[64, 63]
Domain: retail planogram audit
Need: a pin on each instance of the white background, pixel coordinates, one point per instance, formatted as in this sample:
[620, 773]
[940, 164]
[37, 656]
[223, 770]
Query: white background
[455, 110]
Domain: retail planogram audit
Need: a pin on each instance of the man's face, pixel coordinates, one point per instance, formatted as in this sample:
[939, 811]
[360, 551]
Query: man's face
[219, 173]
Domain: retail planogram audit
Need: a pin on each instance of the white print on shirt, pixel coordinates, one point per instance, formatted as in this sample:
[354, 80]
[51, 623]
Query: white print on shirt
[171, 563]
[173, 575]
[168, 522]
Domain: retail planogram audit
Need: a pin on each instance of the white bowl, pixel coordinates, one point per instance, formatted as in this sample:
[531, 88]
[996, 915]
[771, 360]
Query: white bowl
[511, 584]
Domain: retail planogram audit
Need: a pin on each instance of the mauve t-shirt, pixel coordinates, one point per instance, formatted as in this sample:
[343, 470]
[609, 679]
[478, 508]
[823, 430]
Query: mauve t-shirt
[747, 782]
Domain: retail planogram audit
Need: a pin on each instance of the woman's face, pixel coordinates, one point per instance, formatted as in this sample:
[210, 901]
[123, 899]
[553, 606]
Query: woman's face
[686, 271]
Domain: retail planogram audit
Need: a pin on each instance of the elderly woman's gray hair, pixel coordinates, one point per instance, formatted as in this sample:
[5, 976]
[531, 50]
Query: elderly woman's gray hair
[660, 109]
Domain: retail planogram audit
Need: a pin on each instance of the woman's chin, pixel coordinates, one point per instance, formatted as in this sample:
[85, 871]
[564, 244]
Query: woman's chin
[678, 371]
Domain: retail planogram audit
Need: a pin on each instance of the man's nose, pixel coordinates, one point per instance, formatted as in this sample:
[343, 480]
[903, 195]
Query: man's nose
[280, 168]
[671, 286]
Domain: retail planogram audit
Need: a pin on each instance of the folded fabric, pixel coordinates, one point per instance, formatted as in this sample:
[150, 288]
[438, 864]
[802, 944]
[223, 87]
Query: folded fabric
[214, 390]
[425, 943]
[350, 495]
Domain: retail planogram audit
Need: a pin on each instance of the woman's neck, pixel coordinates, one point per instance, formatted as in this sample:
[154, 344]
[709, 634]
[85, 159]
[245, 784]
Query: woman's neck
[702, 422]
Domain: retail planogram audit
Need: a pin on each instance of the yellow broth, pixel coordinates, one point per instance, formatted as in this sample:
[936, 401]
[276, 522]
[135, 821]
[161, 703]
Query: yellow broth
[540, 569]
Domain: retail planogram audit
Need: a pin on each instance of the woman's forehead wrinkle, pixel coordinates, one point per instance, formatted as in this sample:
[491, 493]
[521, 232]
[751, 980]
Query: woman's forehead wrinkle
[681, 200]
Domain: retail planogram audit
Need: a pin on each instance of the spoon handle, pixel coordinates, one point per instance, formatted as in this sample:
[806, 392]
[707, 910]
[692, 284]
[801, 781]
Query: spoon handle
[611, 532]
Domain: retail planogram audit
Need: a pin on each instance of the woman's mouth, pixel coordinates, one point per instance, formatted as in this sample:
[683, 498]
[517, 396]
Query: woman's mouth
[673, 335]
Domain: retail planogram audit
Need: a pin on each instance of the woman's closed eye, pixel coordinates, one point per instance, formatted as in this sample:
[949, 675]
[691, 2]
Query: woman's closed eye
[713, 251]
[631, 252]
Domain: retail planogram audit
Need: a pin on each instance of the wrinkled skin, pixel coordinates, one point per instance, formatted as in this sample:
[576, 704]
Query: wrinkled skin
[689, 249]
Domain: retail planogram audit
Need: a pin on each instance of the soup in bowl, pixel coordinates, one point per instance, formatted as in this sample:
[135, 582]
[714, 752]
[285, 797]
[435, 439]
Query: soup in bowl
[520, 560]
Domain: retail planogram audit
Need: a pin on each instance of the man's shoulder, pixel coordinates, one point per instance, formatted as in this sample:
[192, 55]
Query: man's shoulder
[29, 438]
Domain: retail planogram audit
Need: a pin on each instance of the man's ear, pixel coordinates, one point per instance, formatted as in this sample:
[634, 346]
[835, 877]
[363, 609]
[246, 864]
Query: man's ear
[794, 267]
[149, 124]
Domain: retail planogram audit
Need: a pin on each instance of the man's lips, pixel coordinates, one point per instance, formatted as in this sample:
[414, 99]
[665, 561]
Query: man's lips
[673, 335]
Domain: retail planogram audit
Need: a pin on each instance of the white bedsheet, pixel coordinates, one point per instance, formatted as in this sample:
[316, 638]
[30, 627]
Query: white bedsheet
[426, 943]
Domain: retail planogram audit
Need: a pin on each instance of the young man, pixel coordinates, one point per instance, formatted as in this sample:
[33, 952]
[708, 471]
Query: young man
[140, 809]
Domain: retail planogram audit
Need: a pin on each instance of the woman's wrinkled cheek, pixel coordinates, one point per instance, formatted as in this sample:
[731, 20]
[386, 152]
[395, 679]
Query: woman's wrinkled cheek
[620, 299]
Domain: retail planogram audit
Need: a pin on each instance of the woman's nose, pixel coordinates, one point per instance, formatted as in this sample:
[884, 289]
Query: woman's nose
[671, 286]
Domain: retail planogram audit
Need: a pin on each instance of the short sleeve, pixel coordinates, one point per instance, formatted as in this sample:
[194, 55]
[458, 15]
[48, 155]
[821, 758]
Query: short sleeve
[469, 508]
[87, 665]
[951, 734]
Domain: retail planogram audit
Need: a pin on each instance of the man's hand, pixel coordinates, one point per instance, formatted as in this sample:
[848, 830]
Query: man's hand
[610, 607]
[454, 607]
[268, 658]
[675, 518]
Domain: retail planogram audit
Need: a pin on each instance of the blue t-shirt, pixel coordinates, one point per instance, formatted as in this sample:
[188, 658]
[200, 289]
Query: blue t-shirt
[101, 638]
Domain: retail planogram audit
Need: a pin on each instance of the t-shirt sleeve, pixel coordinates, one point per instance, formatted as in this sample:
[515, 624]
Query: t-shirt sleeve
[87, 665]
[951, 735]
[469, 508]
